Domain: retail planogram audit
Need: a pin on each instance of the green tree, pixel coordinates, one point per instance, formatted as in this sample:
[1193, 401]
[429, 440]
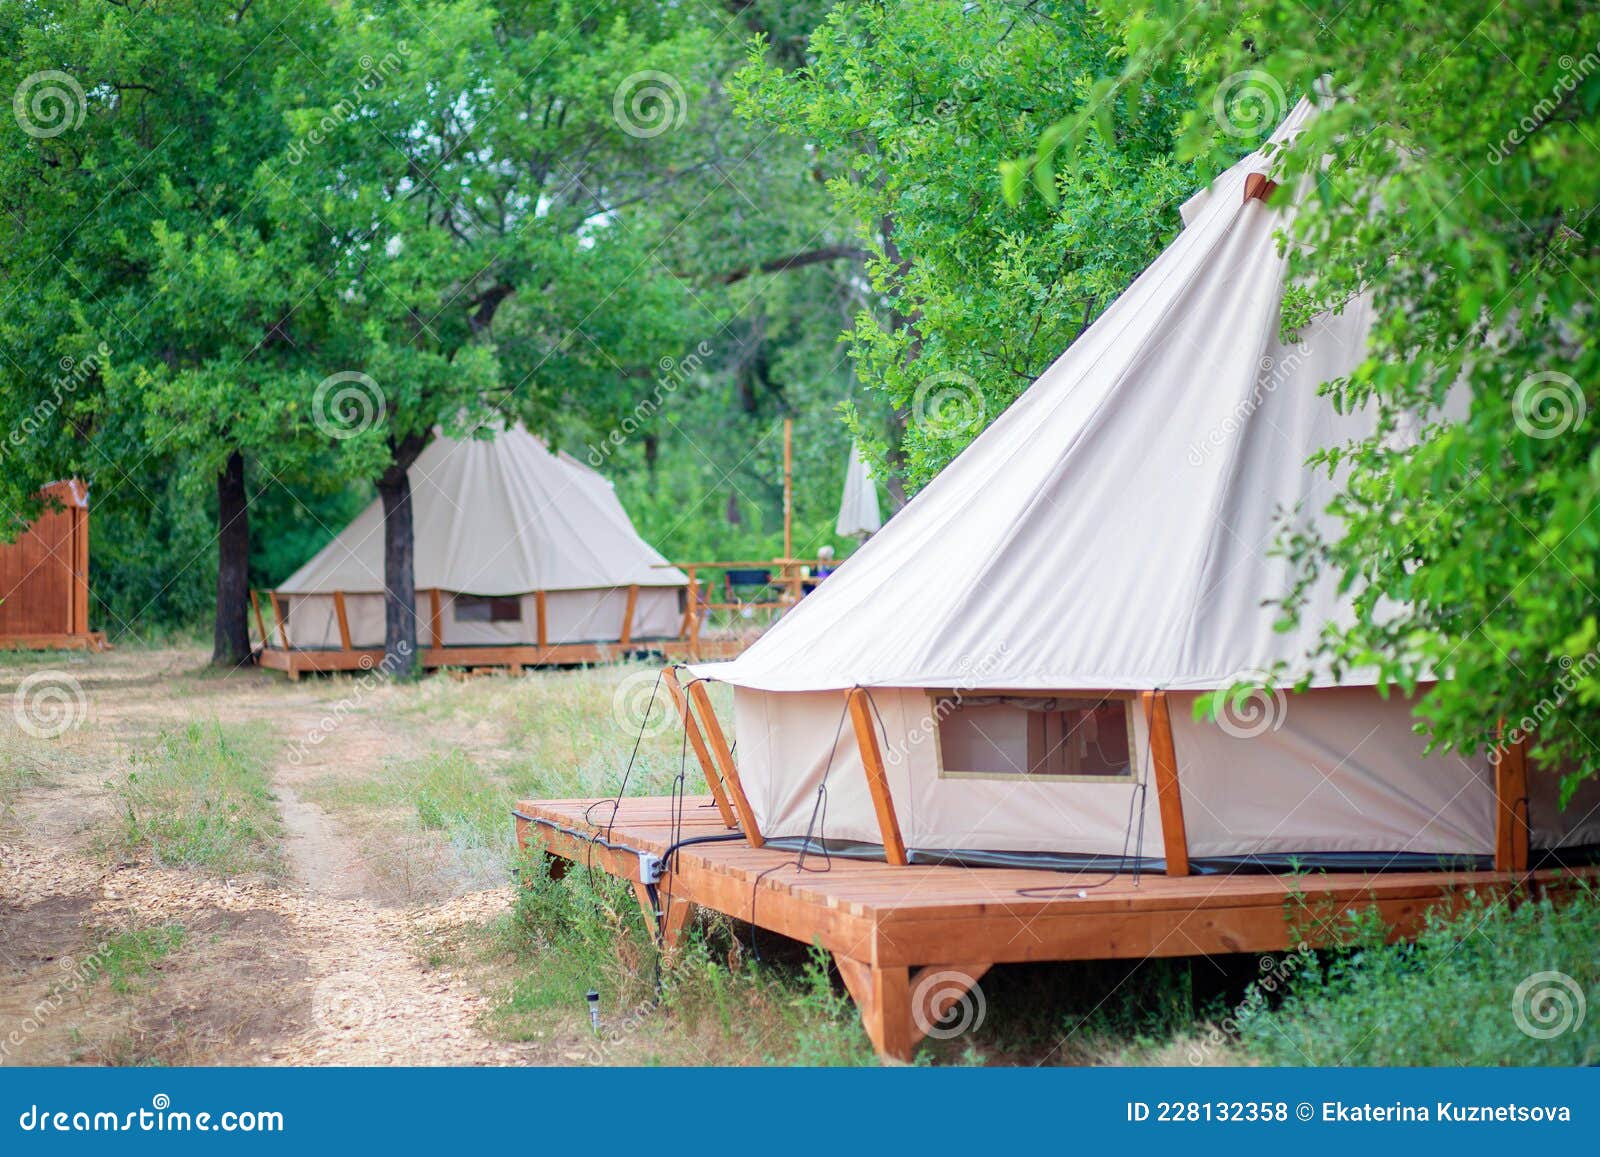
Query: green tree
[910, 108]
[1451, 173]
[139, 244]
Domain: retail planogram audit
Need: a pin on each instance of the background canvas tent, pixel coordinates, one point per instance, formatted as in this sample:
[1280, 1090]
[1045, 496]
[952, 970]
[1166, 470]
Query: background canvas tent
[1019, 651]
[858, 505]
[44, 577]
[515, 545]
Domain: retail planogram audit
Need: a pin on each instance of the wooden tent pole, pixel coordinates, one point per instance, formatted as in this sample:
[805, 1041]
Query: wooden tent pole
[344, 621]
[543, 625]
[627, 615]
[894, 845]
[261, 624]
[283, 623]
[1164, 757]
[669, 676]
[724, 757]
[788, 490]
[1511, 803]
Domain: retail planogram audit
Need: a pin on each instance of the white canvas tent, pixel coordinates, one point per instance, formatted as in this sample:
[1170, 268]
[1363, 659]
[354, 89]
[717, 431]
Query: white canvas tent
[1083, 572]
[497, 523]
[859, 516]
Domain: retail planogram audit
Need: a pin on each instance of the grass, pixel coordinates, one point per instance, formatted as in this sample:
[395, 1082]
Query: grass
[201, 797]
[123, 958]
[1466, 992]
[711, 1003]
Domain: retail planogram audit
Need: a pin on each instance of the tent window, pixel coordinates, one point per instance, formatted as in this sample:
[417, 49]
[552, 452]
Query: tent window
[1014, 737]
[477, 609]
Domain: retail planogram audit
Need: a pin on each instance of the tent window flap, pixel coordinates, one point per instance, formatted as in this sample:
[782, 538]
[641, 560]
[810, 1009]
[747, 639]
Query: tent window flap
[477, 609]
[1054, 739]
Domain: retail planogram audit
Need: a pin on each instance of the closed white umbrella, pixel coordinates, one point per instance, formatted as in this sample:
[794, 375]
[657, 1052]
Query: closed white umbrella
[858, 509]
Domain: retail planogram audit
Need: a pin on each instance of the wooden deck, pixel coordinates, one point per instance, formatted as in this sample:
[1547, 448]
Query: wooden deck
[297, 661]
[899, 933]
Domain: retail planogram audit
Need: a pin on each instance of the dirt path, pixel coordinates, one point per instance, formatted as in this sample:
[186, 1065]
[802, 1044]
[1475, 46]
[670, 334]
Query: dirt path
[327, 966]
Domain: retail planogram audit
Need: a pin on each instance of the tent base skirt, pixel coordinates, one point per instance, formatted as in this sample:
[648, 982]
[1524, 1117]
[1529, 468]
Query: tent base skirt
[912, 941]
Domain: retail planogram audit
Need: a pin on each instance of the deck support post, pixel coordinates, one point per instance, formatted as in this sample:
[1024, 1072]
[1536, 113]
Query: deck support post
[898, 1006]
[894, 846]
[1511, 802]
[1164, 758]
[669, 676]
[435, 619]
[724, 757]
[668, 920]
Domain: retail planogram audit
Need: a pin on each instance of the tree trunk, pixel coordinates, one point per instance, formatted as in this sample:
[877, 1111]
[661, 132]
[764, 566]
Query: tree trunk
[230, 636]
[400, 655]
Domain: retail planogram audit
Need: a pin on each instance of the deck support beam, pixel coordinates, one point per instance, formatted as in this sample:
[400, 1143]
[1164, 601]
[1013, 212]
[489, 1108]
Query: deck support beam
[724, 757]
[894, 846]
[1164, 760]
[669, 676]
